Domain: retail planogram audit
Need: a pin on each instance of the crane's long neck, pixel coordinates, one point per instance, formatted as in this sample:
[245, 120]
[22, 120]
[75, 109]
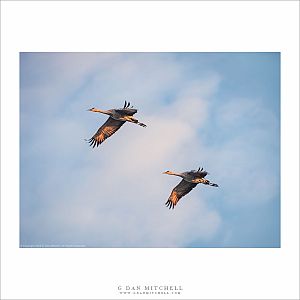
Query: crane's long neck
[106, 112]
[175, 174]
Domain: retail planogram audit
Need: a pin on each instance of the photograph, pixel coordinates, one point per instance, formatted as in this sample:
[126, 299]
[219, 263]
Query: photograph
[149, 150]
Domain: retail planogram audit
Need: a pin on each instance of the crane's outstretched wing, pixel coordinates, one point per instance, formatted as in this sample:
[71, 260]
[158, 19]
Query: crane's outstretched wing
[105, 131]
[199, 173]
[126, 110]
[183, 188]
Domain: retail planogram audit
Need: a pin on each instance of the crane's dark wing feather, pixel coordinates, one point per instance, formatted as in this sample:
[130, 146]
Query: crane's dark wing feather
[126, 111]
[105, 131]
[183, 188]
[197, 174]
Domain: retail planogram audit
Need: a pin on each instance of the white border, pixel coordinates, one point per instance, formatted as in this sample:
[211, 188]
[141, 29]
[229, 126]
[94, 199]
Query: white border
[150, 26]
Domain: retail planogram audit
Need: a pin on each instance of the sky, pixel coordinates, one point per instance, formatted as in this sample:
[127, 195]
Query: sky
[219, 111]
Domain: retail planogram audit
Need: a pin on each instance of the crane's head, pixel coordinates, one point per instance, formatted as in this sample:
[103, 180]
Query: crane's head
[168, 172]
[93, 109]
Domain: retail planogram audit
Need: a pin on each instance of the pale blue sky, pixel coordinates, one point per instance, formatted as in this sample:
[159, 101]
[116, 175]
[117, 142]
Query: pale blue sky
[216, 110]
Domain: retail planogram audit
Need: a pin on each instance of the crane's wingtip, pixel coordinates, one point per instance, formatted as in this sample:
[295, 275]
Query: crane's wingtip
[170, 204]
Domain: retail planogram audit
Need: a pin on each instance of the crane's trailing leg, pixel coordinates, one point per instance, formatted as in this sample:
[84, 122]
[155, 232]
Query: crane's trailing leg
[207, 182]
[139, 123]
[135, 121]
